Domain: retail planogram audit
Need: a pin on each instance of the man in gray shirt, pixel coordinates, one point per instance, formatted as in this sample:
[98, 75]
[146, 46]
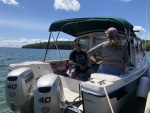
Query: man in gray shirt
[114, 54]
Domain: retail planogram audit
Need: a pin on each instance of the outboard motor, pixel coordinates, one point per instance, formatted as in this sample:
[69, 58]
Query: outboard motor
[19, 89]
[49, 95]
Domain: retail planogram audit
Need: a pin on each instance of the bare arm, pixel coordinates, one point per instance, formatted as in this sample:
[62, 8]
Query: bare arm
[73, 63]
[81, 66]
[94, 50]
[93, 58]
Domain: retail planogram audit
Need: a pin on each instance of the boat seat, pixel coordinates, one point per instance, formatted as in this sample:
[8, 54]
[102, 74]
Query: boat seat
[59, 65]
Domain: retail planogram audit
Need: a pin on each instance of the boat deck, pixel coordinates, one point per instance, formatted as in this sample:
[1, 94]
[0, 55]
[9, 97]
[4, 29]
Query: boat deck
[70, 95]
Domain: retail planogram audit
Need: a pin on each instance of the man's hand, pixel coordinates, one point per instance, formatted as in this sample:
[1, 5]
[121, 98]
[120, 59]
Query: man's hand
[98, 62]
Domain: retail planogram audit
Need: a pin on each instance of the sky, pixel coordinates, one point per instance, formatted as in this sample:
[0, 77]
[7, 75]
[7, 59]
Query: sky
[27, 21]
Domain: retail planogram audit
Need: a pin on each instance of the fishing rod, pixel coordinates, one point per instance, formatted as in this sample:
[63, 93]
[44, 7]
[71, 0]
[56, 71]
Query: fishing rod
[146, 22]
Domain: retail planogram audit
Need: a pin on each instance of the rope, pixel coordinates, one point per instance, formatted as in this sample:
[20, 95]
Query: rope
[103, 84]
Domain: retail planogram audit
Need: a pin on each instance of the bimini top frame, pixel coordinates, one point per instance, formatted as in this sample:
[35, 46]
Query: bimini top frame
[79, 26]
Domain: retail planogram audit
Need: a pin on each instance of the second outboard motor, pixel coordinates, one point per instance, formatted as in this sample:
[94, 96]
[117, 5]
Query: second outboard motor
[19, 89]
[49, 95]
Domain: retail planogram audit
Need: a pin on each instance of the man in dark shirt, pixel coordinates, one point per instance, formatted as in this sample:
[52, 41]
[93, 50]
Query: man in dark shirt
[78, 60]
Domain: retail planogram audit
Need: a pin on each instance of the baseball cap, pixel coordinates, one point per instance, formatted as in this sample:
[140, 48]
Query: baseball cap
[112, 32]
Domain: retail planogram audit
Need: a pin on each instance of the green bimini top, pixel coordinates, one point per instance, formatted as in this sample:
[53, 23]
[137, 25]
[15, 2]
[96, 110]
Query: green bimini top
[79, 26]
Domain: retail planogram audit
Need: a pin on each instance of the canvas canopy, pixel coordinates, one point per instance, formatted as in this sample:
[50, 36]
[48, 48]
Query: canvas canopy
[79, 26]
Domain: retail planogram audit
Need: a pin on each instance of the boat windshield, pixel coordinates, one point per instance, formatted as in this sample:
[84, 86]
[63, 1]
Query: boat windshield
[84, 41]
[90, 41]
[98, 39]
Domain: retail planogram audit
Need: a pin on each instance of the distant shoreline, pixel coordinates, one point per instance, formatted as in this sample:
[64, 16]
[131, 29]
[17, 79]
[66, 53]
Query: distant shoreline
[64, 45]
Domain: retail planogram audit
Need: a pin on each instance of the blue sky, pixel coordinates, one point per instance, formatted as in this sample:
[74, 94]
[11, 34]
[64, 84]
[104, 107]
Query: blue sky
[27, 21]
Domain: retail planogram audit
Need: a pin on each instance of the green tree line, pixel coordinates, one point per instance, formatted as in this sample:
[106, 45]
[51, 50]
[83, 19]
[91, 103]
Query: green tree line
[43, 45]
[147, 45]
[69, 45]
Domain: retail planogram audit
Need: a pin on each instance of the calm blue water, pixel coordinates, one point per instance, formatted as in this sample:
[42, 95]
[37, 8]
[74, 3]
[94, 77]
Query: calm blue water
[15, 55]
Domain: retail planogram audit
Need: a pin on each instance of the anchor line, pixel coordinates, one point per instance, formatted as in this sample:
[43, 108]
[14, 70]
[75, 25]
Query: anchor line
[103, 84]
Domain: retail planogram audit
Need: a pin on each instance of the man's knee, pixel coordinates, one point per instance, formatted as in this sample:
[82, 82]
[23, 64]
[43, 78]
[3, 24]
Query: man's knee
[73, 73]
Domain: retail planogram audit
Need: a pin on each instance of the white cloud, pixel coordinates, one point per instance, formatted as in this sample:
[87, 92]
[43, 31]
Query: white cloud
[22, 41]
[125, 0]
[140, 28]
[62, 39]
[19, 42]
[10, 2]
[67, 5]
[142, 32]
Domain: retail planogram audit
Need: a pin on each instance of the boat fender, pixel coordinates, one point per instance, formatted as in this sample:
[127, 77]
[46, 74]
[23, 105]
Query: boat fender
[148, 73]
[19, 85]
[143, 88]
[49, 95]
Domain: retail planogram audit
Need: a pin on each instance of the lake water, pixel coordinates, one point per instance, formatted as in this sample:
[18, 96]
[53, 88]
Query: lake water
[15, 55]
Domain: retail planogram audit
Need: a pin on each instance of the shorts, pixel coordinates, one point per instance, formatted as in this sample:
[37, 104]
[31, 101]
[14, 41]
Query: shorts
[102, 69]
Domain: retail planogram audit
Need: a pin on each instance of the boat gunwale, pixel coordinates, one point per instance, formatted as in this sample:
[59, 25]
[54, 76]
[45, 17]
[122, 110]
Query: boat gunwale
[110, 92]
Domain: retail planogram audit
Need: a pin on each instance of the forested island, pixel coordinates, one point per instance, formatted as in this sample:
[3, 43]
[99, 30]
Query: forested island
[68, 45]
[60, 44]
